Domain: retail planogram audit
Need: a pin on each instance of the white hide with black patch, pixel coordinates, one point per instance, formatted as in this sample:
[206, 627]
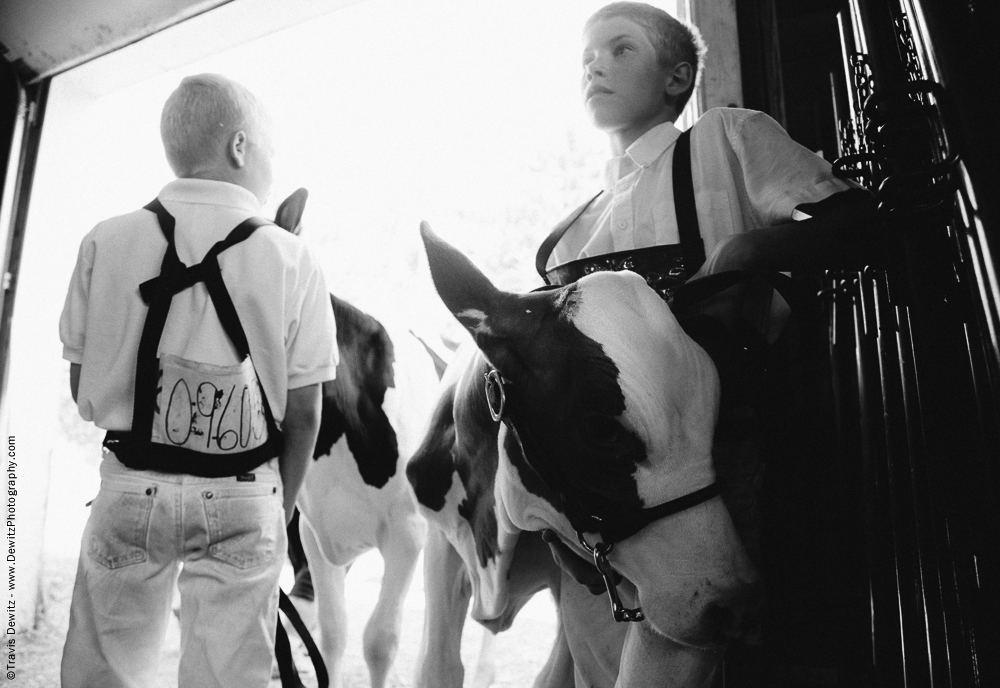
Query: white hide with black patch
[691, 560]
[671, 393]
[344, 516]
[491, 601]
[616, 408]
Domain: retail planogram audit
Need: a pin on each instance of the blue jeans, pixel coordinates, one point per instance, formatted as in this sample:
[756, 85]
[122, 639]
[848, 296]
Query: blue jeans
[220, 540]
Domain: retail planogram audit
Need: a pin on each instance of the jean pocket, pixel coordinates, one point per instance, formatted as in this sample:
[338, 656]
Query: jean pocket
[244, 525]
[119, 524]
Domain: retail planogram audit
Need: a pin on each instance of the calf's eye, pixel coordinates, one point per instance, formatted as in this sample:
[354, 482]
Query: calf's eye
[601, 430]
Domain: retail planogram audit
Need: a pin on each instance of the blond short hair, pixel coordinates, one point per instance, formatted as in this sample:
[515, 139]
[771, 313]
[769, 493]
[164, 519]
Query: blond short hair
[200, 116]
[675, 41]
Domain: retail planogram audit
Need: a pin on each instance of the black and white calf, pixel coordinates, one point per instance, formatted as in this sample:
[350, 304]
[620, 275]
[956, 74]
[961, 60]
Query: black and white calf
[608, 409]
[355, 497]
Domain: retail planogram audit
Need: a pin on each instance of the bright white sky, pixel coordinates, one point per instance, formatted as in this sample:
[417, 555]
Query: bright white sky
[389, 111]
[461, 112]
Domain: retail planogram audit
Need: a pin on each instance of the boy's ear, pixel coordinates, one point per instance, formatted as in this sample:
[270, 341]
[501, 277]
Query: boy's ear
[236, 149]
[679, 79]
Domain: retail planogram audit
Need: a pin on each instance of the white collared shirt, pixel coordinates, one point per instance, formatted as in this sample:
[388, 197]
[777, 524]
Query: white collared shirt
[275, 283]
[747, 173]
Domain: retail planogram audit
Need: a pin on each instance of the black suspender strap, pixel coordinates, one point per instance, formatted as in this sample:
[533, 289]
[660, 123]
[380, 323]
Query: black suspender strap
[692, 246]
[147, 367]
[545, 250]
[684, 206]
[158, 294]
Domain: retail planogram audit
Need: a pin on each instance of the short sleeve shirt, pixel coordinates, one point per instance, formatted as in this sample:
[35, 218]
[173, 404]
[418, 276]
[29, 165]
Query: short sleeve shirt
[747, 173]
[275, 283]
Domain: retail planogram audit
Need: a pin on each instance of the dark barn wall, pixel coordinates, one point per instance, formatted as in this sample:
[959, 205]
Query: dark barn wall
[882, 498]
[789, 51]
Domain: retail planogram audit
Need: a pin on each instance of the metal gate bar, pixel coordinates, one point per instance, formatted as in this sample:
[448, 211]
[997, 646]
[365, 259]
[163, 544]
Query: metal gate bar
[925, 340]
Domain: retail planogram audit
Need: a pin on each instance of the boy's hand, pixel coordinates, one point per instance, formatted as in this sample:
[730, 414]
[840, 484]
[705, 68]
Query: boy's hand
[582, 571]
[736, 252]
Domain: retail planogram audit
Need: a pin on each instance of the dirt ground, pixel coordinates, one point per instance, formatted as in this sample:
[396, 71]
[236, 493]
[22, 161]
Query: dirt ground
[520, 652]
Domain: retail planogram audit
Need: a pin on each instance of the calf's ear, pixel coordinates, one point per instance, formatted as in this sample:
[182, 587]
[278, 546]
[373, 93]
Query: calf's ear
[467, 292]
[289, 215]
[480, 307]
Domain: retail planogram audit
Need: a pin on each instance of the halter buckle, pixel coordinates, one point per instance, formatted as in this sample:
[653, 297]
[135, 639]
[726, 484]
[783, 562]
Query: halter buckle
[600, 552]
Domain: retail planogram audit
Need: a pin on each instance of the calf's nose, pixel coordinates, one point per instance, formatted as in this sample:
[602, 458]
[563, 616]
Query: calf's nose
[731, 618]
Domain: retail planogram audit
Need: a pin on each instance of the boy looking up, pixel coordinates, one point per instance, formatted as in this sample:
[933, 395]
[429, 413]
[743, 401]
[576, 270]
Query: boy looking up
[640, 67]
[198, 336]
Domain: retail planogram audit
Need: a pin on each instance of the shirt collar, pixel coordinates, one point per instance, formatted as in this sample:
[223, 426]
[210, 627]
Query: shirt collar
[643, 152]
[210, 192]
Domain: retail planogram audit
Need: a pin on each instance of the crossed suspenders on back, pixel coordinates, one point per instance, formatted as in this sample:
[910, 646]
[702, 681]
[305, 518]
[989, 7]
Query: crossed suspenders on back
[201, 438]
[209, 431]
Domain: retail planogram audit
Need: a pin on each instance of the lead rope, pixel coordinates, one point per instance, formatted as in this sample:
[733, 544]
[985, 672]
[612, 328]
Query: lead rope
[283, 649]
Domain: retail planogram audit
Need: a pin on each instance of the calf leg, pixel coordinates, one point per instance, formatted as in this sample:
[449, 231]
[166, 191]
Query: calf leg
[400, 549]
[331, 608]
[558, 671]
[447, 592]
[594, 638]
[486, 661]
[532, 568]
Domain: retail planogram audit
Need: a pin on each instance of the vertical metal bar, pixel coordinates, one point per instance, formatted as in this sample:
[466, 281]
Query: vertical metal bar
[980, 271]
[960, 38]
[36, 97]
[899, 490]
[887, 644]
[931, 432]
[927, 578]
[959, 390]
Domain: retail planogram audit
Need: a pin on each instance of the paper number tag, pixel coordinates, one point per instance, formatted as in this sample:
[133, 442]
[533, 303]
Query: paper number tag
[208, 408]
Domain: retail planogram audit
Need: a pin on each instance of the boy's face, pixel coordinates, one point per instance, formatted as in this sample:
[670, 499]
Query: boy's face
[623, 85]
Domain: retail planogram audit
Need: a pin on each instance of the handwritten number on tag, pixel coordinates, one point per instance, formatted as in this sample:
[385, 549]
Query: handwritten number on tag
[226, 432]
[180, 396]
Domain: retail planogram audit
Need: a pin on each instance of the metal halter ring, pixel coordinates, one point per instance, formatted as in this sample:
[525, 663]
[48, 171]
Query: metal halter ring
[600, 552]
[496, 398]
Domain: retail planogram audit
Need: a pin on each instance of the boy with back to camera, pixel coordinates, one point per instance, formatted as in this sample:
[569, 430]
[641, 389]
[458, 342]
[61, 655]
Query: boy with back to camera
[198, 336]
[734, 192]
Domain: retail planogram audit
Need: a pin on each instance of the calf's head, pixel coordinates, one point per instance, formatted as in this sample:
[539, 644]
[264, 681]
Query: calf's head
[611, 409]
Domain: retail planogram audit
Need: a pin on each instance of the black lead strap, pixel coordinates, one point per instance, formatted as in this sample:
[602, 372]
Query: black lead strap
[283, 649]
